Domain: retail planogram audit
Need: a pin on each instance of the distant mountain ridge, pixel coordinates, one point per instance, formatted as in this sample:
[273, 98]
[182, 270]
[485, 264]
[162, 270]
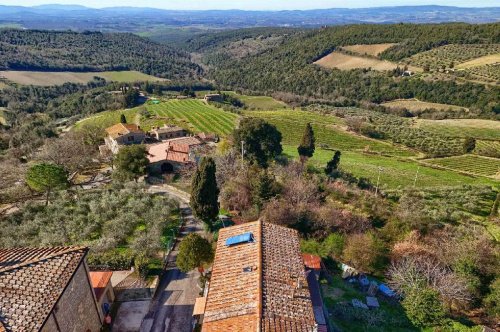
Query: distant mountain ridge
[62, 17]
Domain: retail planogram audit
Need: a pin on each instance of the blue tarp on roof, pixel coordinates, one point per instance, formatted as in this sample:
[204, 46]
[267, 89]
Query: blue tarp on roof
[242, 238]
[386, 290]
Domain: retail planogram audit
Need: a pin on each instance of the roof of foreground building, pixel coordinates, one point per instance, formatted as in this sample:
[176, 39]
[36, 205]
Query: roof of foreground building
[258, 282]
[32, 281]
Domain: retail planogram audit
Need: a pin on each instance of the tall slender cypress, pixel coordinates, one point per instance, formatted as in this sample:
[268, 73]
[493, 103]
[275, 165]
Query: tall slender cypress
[306, 147]
[204, 192]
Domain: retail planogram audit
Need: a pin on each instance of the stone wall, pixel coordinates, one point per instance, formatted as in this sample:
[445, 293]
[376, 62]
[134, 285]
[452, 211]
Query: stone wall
[76, 310]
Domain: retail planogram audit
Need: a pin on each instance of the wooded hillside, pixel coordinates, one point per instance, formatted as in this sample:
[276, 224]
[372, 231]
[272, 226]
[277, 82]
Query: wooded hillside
[91, 51]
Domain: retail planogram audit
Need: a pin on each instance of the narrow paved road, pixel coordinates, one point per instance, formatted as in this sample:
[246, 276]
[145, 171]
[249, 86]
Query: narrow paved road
[172, 306]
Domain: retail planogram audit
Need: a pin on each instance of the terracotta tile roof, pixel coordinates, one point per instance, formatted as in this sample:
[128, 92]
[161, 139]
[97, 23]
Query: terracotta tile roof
[99, 281]
[312, 261]
[31, 282]
[176, 149]
[272, 295]
[286, 299]
[120, 129]
[233, 298]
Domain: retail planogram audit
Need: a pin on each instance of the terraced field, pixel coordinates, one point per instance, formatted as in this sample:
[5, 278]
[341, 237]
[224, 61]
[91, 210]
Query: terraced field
[327, 130]
[194, 115]
[488, 148]
[470, 164]
[191, 114]
[395, 172]
[452, 54]
[480, 129]
[488, 72]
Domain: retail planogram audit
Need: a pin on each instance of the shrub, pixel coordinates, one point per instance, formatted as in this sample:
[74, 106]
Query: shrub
[424, 308]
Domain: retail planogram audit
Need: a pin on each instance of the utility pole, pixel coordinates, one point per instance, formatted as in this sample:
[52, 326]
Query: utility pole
[378, 179]
[416, 176]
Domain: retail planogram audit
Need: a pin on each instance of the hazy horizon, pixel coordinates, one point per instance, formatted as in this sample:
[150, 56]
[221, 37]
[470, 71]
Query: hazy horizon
[251, 5]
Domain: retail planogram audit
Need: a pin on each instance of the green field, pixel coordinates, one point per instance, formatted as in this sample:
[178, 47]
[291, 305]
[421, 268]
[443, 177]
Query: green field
[57, 78]
[328, 131]
[259, 102]
[481, 129]
[191, 114]
[397, 173]
[470, 164]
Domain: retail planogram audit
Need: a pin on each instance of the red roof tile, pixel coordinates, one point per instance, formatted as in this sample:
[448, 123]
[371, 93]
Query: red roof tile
[99, 281]
[260, 285]
[312, 261]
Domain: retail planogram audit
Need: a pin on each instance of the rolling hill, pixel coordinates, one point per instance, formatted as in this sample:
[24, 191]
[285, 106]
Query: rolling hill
[36, 50]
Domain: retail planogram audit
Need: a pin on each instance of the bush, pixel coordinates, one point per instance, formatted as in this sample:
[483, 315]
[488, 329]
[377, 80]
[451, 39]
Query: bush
[424, 308]
[111, 260]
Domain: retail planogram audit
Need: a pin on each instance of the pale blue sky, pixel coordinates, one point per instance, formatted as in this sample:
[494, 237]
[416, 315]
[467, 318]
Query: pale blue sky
[255, 4]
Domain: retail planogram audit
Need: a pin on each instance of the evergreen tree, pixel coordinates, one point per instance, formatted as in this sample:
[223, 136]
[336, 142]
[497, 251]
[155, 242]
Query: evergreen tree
[424, 308]
[333, 165]
[131, 162]
[204, 192]
[46, 177]
[496, 205]
[194, 251]
[306, 147]
[469, 144]
[262, 140]
[123, 118]
[265, 188]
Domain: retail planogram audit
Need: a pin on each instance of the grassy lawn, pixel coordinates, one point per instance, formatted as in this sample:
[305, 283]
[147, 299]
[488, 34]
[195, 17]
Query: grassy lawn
[109, 118]
[259, 102]
[338, 296]
[397, 173]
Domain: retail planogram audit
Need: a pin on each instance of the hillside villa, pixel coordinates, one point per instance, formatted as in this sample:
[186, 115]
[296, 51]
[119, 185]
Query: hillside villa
[173, 154]
[123, 134]
[258, 283]
[47, 289]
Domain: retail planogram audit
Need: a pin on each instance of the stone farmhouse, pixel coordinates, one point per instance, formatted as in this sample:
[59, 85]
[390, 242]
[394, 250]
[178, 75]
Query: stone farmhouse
[167, 132]
[258, 283]
[47, 289]
[123, 134]
[173, 154]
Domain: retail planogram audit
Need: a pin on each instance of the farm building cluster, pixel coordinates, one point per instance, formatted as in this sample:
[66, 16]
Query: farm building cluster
[170, 148]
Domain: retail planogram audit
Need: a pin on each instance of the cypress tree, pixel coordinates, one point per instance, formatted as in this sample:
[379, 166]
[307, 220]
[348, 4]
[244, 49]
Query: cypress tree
[333, 164]
[496, 205]
[123, 119]
[204, 192]
[306, 147]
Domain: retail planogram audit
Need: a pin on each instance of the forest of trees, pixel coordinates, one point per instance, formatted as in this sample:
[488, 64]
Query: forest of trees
[91, 51]
[288, 68]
